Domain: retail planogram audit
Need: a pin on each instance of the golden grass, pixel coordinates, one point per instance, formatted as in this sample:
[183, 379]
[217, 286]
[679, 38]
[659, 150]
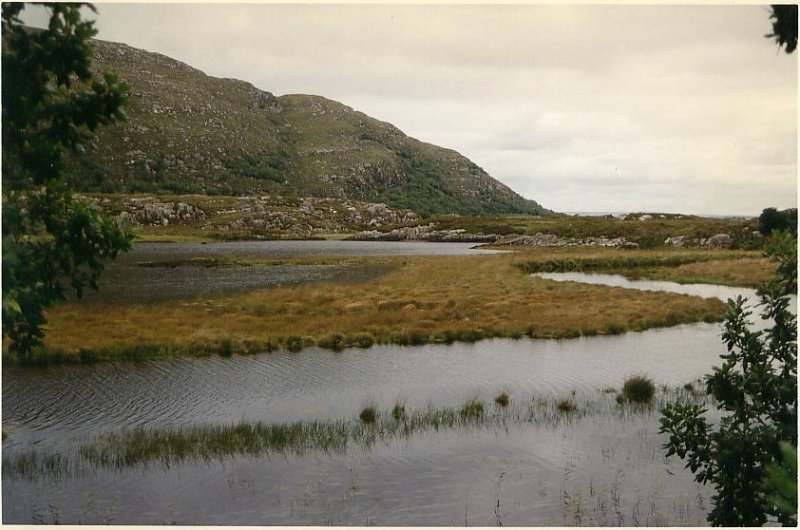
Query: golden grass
[422, 299]
[747, 272]
[737, 268]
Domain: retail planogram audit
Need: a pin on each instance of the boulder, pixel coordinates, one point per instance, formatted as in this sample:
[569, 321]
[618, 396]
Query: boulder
[719, 241]
[676, 241]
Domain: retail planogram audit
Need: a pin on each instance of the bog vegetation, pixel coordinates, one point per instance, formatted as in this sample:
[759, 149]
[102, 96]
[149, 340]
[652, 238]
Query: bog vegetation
[420, 300]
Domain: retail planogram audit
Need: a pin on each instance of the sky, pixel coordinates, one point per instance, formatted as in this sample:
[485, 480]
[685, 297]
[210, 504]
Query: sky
[599, 108]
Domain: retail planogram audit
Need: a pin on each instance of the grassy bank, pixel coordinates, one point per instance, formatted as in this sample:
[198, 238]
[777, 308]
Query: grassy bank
[422, 300]
[719, 267]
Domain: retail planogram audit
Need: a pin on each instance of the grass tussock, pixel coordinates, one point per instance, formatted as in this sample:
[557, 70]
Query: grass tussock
[399, 411]
[472, 409]
[638, 389]
[566, 406]
[368, 414]
[502, 399]
[422, 300]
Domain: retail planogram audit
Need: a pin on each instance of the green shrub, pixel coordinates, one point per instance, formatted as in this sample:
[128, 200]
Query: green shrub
[88, 356]
[226, 348]
[333, 342]
[294, 343]
[363, 340]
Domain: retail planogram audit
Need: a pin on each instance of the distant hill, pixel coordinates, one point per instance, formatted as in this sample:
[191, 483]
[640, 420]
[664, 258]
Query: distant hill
[190, 133]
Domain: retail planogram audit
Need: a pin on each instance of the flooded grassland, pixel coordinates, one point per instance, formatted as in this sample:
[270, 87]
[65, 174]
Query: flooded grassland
[401, 389]
[254, 302]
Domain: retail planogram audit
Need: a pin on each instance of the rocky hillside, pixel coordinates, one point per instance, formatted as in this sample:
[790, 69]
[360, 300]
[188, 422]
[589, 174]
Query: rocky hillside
[191, 133]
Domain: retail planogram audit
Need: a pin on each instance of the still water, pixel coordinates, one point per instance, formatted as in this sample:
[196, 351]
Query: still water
[128, 279]
[599, 469]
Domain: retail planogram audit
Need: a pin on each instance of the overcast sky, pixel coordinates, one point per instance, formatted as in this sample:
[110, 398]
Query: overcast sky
[602, 108]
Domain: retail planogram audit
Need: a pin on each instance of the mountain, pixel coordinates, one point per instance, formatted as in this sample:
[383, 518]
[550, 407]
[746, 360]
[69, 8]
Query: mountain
[191, 133]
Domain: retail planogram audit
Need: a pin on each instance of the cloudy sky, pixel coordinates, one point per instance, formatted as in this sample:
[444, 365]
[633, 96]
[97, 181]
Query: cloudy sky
[601, 108]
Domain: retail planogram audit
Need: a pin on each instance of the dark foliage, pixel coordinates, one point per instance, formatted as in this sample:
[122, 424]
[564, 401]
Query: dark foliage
[772, 219]
[51, 105]
[756, 390]
[784, 26]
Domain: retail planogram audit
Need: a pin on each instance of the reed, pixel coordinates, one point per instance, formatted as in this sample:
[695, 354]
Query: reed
[566, 406]
[172, 445]
[472, 410]
[399, 411]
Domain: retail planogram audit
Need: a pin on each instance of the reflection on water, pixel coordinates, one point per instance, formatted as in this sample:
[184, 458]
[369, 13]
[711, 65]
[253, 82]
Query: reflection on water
[296, 249]
[319, 384]
[590, 471]
[615, 280]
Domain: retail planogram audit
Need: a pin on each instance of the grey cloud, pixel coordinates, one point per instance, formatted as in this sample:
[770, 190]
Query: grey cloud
[621, 106]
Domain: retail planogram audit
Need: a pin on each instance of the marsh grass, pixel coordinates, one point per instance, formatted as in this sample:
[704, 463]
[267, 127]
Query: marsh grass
[169, 446]
[368, 414]
[399, 411]
[472, 410]
[566, 406]
[502, 399]
[720, 267]
[638, 389]
[421, 300]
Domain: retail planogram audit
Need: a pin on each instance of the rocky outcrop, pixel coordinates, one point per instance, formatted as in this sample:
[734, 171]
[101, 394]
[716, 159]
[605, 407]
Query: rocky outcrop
[550, 240]
[424, 233]
[258, 216]
[717, 241]
[149, 211]
[429, 232]
[675, 242]
[713, 242]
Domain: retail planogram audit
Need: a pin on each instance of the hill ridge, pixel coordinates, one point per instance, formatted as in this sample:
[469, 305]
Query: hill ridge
[188, 132]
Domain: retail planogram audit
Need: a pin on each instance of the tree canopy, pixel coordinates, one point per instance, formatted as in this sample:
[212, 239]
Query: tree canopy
[51, 104]
[784, 26]
[755, 389]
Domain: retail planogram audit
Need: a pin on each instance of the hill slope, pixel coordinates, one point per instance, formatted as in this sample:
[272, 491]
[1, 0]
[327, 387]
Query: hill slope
[191, 133]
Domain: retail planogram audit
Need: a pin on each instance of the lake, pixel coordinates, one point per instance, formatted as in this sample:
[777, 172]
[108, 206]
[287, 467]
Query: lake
[604, 466]
[127, 280]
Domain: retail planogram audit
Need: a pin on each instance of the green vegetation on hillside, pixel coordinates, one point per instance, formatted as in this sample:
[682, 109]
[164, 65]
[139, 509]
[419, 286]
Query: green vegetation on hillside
[188, 133]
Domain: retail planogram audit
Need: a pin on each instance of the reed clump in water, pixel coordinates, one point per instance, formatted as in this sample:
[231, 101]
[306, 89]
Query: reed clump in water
[502, 399]
[368, 414]
[399, 411]
[566, 406]
[638, 389]
[472, 409]
[169, 446]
